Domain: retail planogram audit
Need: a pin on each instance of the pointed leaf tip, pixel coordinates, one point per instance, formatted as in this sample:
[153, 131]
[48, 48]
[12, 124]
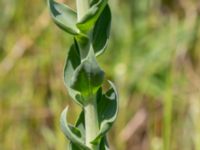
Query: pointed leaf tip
[88, 77]
[101, 31]
[72, 133]
[86, 23]
[63, 16]
[107, 110]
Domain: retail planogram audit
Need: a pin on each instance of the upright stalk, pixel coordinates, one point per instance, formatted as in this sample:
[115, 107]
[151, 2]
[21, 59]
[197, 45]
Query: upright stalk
[91, 122]
[90, 109]
[83, 77]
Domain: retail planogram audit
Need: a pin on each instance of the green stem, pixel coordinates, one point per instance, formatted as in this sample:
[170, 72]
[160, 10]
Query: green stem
[90, 109]
[91, 122]
[82, 7]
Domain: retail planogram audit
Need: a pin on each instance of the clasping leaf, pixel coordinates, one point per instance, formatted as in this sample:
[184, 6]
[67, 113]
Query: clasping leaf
[107, 111]
[64, 17]
[88, 77]
[86, 23]
[72, 62]
[101, 31]
[72, 133]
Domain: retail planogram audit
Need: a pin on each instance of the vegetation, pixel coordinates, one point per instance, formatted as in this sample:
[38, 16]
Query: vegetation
[83, 77]
[152, 57]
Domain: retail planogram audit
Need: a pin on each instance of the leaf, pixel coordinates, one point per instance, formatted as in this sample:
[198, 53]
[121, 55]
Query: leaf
[107, 111]
[87, 22]
[104, 144]
[72, 133]
[83, 44]
[73, 147]
[72, 62]
[80, 124]
[64, 17]
[101, 31]
[88, 77]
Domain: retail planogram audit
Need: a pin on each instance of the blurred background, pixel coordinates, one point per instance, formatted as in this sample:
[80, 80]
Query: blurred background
[153, 57]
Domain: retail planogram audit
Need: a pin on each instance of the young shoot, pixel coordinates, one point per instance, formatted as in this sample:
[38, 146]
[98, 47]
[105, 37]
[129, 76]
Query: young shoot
[90, 27]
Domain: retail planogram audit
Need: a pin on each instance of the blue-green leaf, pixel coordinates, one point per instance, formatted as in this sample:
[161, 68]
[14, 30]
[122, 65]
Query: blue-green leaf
[74, 147]
[72, 62]
[80, 124]
[104, 144]
[72, 133]
[83, 44]
[101, 31]
[88, 21]
[107, 111]
[88, 77]
[64, 17]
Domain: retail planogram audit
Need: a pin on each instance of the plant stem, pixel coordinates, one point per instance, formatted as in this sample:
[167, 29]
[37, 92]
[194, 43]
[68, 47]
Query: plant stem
[90, 109]
[91, 122]
[82, 7]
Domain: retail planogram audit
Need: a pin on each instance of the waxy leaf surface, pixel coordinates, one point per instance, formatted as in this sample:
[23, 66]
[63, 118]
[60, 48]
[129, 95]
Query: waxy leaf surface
[64, 17]
[101, 31]
[72, 133]
[88, 21]
[104, 144]
[107, 111]
[88, 77]
[72, 62]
